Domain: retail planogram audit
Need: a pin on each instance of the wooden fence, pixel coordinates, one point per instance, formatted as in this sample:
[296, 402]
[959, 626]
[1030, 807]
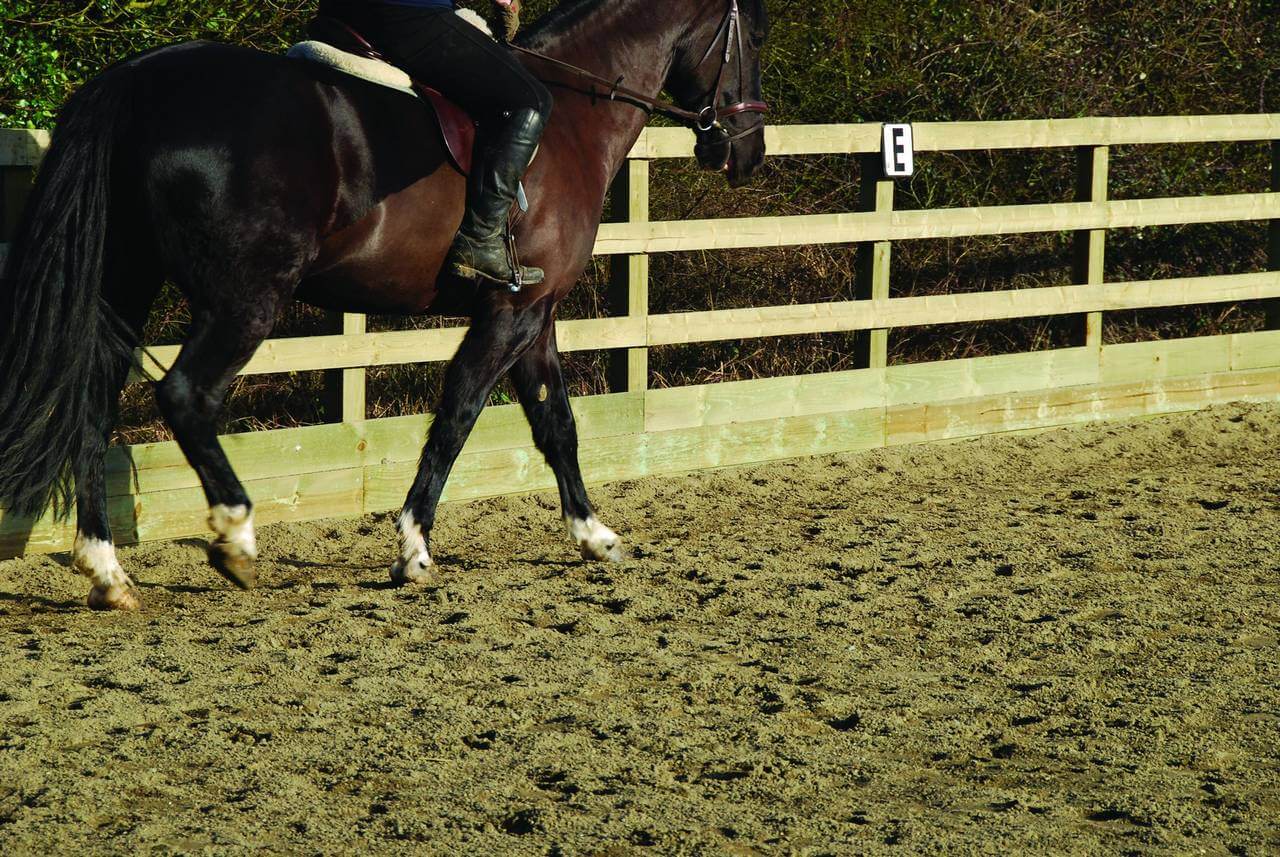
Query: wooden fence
[357, 465]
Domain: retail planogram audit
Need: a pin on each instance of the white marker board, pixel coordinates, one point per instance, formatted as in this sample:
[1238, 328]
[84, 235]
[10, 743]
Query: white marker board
[898, 146]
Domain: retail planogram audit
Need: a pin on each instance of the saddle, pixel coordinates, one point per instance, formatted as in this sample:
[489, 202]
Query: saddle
[336, 45]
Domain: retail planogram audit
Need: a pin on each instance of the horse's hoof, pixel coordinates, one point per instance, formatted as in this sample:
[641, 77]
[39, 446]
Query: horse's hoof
[233, 564]
[114, 598]
[604, 551]
[597, 542]
[415, 573]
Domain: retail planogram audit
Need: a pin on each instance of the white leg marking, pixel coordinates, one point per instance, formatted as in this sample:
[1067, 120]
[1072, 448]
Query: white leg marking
[595, 539]
[414, 564]
[96, 560]
[112, 588]
[234, 526]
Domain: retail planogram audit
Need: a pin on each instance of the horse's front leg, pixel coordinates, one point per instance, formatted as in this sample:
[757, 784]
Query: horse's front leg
[540, 384]
[497, 336]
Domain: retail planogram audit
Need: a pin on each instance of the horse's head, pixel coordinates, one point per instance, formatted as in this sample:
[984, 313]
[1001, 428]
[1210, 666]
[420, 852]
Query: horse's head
[717, 72]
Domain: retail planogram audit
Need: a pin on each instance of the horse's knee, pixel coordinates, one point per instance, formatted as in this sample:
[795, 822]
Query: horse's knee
[175, 396]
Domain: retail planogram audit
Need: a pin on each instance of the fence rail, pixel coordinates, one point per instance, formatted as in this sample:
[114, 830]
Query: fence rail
[359, 465]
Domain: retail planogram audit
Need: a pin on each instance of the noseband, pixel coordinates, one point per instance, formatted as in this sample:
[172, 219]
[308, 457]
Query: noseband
[708, 119]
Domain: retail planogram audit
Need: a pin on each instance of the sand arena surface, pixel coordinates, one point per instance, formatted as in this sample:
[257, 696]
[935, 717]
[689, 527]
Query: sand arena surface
[1059, 643]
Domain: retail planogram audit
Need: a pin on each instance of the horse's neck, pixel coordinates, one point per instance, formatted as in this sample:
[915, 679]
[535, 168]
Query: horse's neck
[619, 39]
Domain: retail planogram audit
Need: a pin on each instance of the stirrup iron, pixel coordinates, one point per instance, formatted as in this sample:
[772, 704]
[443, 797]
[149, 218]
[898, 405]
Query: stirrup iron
[513, 256]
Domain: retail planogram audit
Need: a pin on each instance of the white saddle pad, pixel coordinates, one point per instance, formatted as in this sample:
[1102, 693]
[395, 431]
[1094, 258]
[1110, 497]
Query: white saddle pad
[374, 71]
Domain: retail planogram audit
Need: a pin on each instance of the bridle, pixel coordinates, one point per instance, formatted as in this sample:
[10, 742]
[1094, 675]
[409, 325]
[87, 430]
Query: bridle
[709, 117]
[706, 121]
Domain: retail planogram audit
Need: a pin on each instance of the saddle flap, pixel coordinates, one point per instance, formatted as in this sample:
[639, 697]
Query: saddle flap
[457, 128]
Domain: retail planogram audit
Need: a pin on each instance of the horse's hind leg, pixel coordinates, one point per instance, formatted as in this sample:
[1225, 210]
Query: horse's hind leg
[94, 553]
[130, 294]
[539, 382]
[191, 397]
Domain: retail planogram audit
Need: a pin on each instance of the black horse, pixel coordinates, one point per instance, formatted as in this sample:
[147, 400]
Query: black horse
[250, 179]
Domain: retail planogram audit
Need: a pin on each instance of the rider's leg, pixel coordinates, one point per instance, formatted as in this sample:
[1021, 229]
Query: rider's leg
[483, 77]
[503, 153]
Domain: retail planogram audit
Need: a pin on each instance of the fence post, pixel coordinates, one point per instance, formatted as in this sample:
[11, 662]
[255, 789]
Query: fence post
[628, 369]
[1093, 165]
[1273, 239]
[15, 186]
[345, 388]
[875, 193]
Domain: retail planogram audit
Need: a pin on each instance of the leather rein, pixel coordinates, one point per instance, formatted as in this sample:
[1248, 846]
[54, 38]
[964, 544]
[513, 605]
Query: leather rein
[707, 119]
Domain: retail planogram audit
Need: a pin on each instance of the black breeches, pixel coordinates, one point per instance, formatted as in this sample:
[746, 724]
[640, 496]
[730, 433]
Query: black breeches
[443, 51]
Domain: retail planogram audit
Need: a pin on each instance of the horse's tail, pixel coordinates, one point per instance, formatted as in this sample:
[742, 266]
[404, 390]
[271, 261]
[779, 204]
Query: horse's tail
[60, 343]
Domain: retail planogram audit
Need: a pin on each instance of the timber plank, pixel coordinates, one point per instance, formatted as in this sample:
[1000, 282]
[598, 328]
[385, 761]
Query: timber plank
[740, 233]
[306, 353]
[845, 316]
[257, 455]
[474, 476]
[150, 468]
[300, 497]
[945, 421]
[1255, 350]
[22, 147]
[183, 512]
[703, 447]
[1145, 361]
[381, 486]
[1094, 131]
[988, 376]
[764, 398]
[966, 136]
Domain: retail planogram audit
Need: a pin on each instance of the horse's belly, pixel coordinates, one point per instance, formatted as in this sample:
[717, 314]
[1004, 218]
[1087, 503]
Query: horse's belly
[390, 259]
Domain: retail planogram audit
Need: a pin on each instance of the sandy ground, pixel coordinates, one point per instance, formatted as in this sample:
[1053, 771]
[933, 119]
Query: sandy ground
[1060, 643]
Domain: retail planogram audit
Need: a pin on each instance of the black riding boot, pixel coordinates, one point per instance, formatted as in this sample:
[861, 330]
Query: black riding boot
[479, 251]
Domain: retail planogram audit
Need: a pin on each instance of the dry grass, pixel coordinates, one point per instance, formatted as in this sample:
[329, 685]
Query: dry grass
[827, 62]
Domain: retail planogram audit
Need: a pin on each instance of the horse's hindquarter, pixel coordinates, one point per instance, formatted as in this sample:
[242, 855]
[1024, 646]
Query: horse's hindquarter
[234, 156]
[250, 150]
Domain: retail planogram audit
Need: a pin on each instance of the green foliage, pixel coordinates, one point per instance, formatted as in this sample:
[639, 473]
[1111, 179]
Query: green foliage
[827, 61]
[53, 46]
